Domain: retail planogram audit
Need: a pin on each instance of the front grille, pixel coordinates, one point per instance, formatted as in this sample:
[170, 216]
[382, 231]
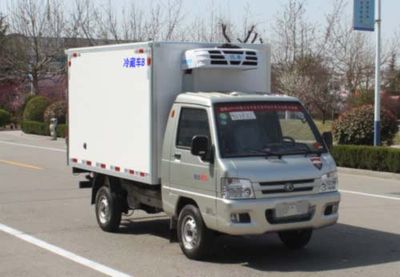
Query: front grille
[287, 186]
[304, 181]
[285, 191]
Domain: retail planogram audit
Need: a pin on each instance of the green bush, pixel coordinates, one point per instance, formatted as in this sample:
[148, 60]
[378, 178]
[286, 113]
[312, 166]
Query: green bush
[5, 118]
[58, 110]
[35, 127]
[27, 98]
[41, 128]
[357, 126]
[34, 109]
[367, 157]
[61, 130]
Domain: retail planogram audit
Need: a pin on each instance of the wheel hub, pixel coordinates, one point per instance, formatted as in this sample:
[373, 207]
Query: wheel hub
[189, 232]
[104, 209]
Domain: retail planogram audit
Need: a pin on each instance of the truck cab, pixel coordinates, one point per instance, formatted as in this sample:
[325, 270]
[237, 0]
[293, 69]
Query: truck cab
[250, 163]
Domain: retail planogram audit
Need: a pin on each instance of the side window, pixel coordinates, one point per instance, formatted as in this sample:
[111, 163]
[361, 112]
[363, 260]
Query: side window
[192, 122]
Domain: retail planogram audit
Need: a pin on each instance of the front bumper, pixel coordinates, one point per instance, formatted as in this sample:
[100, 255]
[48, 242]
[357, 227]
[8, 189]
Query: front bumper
[258, 209]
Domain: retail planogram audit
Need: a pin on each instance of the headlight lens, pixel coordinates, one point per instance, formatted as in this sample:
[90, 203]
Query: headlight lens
[329, 182]
[234, 188]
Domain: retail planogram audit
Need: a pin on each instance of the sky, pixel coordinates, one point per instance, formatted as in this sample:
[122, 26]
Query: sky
[262, 12]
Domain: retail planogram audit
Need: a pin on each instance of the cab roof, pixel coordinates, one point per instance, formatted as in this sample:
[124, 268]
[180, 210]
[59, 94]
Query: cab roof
[209, 98]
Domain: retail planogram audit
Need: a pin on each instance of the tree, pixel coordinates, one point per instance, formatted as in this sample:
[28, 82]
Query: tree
[300, 66]
[35, 50]
[83, 22]
[293, 36]
[3, 32]
[103, 24]
[310, 80]
[248, 34]
[205, 28]
[391, 76]
[349, 53]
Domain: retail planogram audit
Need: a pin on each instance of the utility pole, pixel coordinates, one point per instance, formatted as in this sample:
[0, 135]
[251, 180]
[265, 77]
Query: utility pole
[377, 116]
[364, 15]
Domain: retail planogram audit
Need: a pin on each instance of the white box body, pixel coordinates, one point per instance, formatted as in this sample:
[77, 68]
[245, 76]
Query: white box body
[119, 98]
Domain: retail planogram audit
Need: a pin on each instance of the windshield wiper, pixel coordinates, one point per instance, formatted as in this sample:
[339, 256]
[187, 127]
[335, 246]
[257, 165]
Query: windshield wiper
[306, 152]
[279, 154]
[262, 152]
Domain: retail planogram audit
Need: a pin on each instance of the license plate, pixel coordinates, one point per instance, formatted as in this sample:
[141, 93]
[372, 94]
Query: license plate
[291, 209]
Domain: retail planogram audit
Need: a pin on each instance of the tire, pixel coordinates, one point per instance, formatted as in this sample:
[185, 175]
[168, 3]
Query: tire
[108, 209]
[296, 239]
[194, 237]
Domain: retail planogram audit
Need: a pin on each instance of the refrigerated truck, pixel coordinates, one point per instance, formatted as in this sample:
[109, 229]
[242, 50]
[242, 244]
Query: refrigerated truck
[193, 130]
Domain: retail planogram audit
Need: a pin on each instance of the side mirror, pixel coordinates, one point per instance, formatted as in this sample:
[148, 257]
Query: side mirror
[200, 146]
[328, 139]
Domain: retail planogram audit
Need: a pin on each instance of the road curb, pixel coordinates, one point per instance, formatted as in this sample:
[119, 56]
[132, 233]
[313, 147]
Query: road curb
[364, 172]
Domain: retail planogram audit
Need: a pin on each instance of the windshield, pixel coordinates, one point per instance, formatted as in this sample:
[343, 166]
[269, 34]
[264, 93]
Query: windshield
[265, 129]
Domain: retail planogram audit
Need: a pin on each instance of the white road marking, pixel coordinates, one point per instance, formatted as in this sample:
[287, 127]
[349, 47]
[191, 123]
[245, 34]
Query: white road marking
[371, 195]
[63, 253]
[33, 146]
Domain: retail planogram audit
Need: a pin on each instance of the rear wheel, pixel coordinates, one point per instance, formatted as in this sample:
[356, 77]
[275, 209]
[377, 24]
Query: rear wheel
[193, 235]
[296, 239]
[108, 209]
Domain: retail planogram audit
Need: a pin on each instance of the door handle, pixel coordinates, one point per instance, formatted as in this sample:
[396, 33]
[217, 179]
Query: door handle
[177, 156]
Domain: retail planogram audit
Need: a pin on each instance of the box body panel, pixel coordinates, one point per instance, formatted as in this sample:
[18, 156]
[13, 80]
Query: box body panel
[109, 116]
[119, 107]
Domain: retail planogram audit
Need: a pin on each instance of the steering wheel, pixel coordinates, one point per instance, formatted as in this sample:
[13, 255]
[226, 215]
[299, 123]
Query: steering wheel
[288, 139]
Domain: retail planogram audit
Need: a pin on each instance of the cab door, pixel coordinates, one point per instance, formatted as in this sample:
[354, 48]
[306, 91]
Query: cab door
[190, 175]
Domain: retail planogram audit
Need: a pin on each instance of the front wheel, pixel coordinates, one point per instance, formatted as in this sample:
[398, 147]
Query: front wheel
[108, 209]
[296, 239]
[193, 235]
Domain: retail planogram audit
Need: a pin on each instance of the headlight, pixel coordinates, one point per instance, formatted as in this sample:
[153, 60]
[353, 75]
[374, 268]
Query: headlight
[329, 182]
[234, 188]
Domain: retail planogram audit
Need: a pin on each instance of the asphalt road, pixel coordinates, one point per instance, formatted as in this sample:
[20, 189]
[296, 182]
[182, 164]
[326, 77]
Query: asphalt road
[48, 228]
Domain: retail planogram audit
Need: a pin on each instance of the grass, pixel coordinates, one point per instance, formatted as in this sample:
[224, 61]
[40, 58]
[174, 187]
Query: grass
[396, 140]
[294, 128]
[327, 127]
